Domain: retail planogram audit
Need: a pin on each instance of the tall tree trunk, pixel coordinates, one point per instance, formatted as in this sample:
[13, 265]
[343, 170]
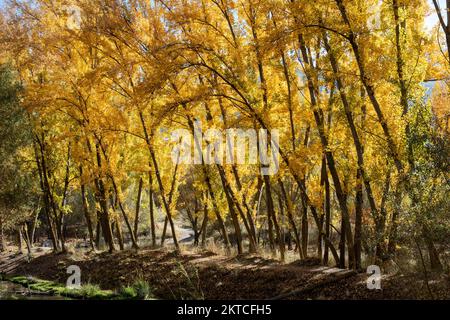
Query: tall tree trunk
[219, 218]
[101, 198]
[51, 227]
[392, 241]
[380, 250]
[361, 173]
[342, 246]
[63, 200]
[305, 229]
[138, 206]
[358, 220]
[327, 210]
[263, 86]
[86, 210]
[234, 216]
[211, 192]
[119, 233]
[281, 239]
[118, 196]
[152, 214]
[204, 224]
[246, 217]
[32, 227]
[342, 200]
[159, 180]
[193, 219]
[290, 215]
[98, 230]
[164, 231]
[230, 196]
[435, 262]
[2, 236]
[172, 190]
[52, 203]
[19, 240]
[27, 240]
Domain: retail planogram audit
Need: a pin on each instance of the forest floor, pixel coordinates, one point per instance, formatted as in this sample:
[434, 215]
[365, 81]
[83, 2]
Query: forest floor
[205, 275]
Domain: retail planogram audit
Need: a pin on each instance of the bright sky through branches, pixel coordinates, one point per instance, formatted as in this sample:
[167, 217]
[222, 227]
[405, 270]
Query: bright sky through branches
[430, 21]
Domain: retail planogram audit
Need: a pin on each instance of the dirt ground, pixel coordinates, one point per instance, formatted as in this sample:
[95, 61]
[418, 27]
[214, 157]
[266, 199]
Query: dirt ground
[205, 275]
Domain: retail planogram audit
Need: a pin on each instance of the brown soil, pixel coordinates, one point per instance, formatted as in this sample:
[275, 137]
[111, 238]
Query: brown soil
[206, 275]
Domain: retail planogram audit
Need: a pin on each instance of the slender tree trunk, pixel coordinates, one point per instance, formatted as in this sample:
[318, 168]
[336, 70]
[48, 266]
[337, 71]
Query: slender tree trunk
[246, 217]
[216, 209]
[98, 230]
[152, 214]
[118, 197]
[19, 240]
[2, 236]
[204, 224]
[330, 159]
[342, 246]
[361, 173]
[263, 86]
[172, 190]
[60, 218]
[194, 223]
[273, 217]
[159, 181]
[234, 217]
[380, 226]
[164, 231]
[86, 211]
[51, 227]
[435, 262]
[52, 203]
[32, 227]
[392, 242]
[305, 229]
[119, 233]
[230, 196]
[27, 240]
[211, 193]
[291, 218]
[138, 206]
[358, 219]
[104, 214]
[281, 232]
[327, 210]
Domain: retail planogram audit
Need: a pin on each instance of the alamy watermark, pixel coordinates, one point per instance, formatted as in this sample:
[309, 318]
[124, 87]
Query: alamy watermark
[230, 146]
[374, 280]
[74, 280]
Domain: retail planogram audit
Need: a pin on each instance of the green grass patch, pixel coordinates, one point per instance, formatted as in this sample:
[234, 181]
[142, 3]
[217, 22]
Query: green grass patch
[139, 290]
[88, 291]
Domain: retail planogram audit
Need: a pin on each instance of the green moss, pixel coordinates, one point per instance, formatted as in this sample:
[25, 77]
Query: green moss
[140, 289]
[87, 291]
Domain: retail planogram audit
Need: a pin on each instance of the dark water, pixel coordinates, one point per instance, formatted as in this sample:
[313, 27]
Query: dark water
[12, 291]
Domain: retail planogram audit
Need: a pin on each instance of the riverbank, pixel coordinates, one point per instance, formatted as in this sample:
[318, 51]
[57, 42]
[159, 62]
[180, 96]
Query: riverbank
[205, 275]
